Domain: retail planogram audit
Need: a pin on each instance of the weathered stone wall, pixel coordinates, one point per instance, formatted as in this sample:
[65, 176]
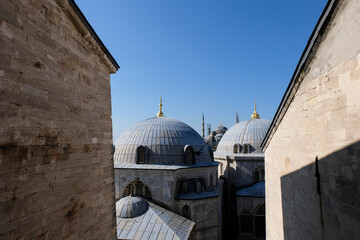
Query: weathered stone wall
[205, 213]
[322, 120]
[161, 184]
[56, 170]
[245, 171]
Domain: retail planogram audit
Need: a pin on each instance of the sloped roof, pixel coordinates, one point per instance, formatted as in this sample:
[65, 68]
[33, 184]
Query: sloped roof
[306, 57]
[256, 190]
[155, 223]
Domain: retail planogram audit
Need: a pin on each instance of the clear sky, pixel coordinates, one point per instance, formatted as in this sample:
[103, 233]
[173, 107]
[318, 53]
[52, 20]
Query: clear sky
[211, 56]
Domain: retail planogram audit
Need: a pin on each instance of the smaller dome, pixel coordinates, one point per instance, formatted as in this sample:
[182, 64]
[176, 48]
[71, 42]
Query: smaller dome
[251, 132]
[130, 207]
[220, 129]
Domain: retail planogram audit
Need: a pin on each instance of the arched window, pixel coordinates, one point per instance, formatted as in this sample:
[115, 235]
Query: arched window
[237, 148]
[137, 188]
[189, 155]
[198, 187]
[184, 187]
[259, 174]
[140, 154]
[246, 148]
[211, 180]
[186, 212]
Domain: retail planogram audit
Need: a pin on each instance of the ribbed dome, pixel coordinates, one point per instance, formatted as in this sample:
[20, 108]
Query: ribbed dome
[220, 129]
[130, 207]
[250, 131]
[164, 139]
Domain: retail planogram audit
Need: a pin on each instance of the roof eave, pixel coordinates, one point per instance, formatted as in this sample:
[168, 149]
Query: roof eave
[83, 26]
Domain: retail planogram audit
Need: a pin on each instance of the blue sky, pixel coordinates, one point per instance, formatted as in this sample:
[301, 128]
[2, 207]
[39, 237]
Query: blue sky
[210, 56]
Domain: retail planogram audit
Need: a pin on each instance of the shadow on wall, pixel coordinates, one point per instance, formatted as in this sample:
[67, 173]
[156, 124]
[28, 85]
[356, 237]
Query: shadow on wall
[230, 222]
[322, 200]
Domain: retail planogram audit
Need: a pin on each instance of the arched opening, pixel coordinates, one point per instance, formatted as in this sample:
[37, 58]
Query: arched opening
[237, 148]
[186, 212]
[246, 148]
[184, 187]
[198, 187]
[137, 188]
[140, 155]
[211, 180]
[189, 155]
[260, 221]
[259, 174]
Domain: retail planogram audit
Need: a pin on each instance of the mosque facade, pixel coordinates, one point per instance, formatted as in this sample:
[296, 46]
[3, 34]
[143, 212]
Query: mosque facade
[165, 162]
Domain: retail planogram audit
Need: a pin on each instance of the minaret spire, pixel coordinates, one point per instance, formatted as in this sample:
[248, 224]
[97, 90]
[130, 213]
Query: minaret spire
[203, 127]
[160, 113]
[237, 118]
[255, 114]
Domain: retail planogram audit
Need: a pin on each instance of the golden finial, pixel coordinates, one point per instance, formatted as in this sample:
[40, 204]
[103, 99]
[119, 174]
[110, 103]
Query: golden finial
[255, 114]
[160, 113]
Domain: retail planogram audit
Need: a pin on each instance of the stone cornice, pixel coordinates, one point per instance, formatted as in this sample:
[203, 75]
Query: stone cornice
[74, 14]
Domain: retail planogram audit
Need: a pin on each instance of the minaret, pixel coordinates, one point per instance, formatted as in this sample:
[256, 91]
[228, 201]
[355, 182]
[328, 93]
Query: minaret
[255, 114]
[237, 118]
[160, 113]
[203, 127]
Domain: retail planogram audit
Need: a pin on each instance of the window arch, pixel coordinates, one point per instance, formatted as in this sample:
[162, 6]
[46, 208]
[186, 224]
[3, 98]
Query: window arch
[140, 155]
[189, 155]
[186, 212]
[198, 187]
[237, 148]
[184, 187]
[246, 148]
[259, 174]
[137, 188]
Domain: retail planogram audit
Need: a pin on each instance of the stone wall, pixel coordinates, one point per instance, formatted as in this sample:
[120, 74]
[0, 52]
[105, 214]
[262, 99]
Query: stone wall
[56, 169]
[205, 213]
[323, 120]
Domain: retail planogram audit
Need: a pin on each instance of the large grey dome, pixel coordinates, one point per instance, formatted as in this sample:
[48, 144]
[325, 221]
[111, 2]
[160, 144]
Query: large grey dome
[250, 132]
[130, 207]
[164, 140]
